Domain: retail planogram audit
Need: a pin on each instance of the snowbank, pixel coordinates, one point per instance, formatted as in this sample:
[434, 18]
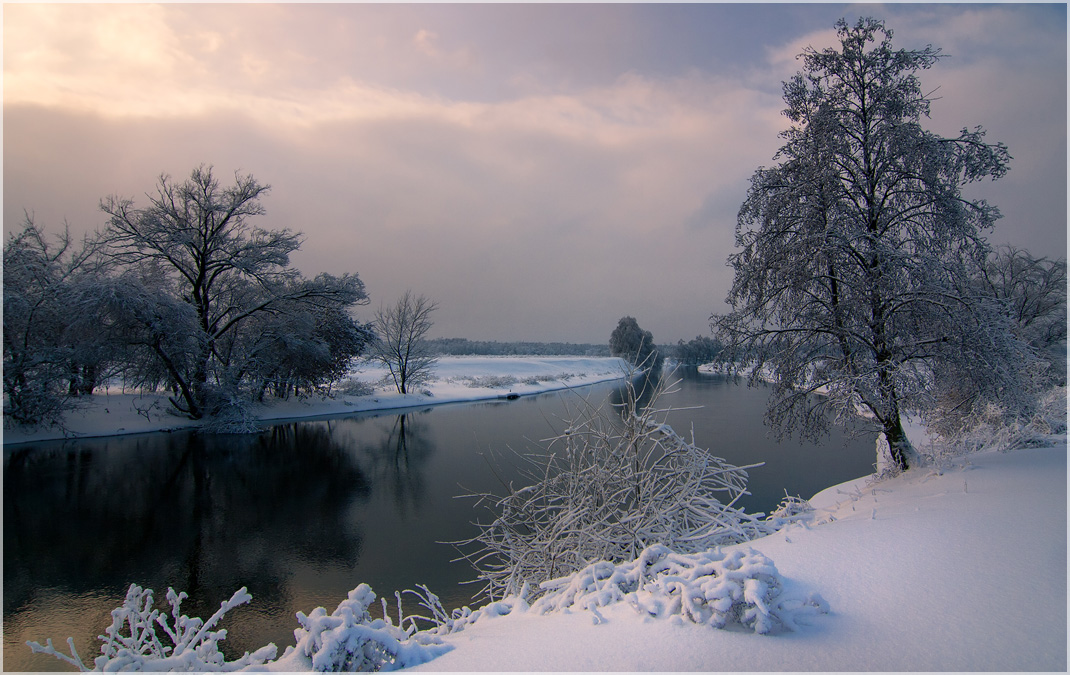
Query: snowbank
[961, 570]
[455, 379]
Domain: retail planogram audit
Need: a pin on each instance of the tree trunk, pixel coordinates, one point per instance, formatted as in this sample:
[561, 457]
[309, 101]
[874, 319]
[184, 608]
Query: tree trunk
[903, 453]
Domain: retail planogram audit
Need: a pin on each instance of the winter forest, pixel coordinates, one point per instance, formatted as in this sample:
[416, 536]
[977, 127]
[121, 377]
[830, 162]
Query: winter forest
[865, 294]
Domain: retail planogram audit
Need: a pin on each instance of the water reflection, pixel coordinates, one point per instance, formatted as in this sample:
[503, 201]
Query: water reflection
[200, 513]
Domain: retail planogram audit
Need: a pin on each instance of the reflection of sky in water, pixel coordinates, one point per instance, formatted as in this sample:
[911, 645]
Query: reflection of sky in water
[302, 513]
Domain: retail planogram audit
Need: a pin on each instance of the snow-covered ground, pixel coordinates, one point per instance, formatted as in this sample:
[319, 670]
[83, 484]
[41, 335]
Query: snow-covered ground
[962, 569]
[455, 379]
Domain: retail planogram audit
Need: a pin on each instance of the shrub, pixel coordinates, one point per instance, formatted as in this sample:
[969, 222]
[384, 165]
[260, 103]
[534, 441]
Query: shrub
[193, 644]
[606, 488]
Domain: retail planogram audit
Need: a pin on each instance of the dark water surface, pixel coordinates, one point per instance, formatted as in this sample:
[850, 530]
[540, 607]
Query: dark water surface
[305, 511]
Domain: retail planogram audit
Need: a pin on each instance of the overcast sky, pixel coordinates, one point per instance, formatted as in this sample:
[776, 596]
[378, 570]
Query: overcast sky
[539, 170]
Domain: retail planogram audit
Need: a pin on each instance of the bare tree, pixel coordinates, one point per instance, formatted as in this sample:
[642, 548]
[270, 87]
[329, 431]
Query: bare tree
[853, 277]
[196, 235]
[400, 345]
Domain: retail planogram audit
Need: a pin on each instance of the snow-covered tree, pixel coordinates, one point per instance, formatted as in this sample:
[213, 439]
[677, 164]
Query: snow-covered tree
[400, 340]
[197, 239]
[1034, 292]
[853, 277]
[53, 349]
[633, 344]
[300, 350]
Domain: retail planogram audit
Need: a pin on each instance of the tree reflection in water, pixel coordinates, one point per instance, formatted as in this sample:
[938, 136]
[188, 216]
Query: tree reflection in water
[203, 514]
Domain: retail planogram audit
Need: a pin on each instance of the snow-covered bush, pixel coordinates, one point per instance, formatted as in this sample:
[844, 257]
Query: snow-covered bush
[609, 486]
[491, 381]
[546, 377]
[790, 510]
[354, 387]
[349, 640]
[990, 426]
[131, 642]
[709, 587]
[229, 413]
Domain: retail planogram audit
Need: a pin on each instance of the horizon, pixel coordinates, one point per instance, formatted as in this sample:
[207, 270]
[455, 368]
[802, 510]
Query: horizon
[539, 170]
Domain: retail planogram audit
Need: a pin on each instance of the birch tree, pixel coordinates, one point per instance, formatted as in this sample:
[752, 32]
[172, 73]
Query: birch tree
[852, 278]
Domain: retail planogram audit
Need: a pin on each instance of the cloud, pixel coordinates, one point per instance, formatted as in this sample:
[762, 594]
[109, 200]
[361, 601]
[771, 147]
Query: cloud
[535, 196]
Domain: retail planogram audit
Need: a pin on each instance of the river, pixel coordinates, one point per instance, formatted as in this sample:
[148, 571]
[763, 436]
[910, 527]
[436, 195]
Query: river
[305, 511]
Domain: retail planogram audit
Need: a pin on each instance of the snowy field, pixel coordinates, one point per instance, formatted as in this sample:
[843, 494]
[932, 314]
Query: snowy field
[455, 379]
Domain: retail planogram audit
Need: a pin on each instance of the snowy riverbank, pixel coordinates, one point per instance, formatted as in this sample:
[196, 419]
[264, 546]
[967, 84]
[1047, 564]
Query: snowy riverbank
[455, 379]
[962, 569]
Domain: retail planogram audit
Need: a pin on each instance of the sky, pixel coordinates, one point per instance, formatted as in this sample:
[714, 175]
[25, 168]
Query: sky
[539, 170]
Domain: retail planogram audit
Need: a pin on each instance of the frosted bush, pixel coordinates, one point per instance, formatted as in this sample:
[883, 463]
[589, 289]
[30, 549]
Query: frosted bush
[229, 413]
[349, 640]
[491, 381]
[607, 487]
[709, 588]
[537, 379]
[131, 642]
[991, 427]
[790, 510]
[354, 387]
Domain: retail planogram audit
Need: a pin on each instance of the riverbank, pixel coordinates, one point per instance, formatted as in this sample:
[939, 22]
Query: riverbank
[455, 379]
[957, 569]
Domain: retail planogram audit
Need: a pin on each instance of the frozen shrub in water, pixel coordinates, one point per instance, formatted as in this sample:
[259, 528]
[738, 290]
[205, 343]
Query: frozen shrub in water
[346, 640]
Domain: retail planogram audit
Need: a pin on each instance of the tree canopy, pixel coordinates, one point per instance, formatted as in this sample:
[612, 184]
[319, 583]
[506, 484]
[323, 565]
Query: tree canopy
[633, 344]
[853, 277]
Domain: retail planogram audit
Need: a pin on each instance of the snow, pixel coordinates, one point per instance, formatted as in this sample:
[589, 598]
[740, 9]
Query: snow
[957, 568]
[113, 412]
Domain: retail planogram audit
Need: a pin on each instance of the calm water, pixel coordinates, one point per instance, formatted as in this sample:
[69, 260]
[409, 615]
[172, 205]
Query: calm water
[303, 512]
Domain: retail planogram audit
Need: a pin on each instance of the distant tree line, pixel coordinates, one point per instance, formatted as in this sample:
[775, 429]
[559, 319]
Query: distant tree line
[183, 295]
[465, 347]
